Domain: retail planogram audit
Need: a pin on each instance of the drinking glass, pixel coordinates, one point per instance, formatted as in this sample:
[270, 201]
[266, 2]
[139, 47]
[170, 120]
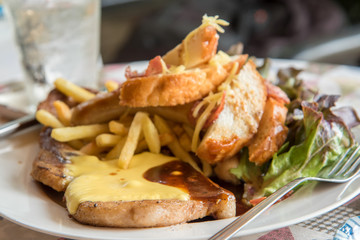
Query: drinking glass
[57, 39]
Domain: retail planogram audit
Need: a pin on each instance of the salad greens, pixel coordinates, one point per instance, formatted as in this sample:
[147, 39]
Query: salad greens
[318, 135]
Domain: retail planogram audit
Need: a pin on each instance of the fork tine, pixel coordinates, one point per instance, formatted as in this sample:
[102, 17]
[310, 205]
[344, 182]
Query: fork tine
[353, 166]
[339, 163]
[347, 165]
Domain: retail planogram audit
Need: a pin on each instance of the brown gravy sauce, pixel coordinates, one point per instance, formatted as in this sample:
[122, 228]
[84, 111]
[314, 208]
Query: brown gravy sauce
[238, 191]
[181, 175]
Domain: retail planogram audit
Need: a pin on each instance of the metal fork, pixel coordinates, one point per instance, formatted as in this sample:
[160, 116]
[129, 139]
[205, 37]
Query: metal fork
[345, 169]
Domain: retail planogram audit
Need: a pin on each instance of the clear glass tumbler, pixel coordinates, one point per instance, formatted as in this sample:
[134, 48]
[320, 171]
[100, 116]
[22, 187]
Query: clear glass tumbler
[57, 38]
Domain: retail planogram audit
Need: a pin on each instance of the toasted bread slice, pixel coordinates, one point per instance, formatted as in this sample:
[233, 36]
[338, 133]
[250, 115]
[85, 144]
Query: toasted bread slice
[239, 120]
[172, 89]
[272, 132]
[49, 168]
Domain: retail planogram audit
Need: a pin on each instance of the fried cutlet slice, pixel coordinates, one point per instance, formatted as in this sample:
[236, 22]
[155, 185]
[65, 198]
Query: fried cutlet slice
[272, 132]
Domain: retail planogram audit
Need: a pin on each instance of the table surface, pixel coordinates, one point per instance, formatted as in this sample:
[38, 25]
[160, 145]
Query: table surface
[321, 227]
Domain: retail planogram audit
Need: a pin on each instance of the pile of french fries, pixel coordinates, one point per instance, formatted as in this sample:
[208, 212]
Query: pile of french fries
[121, 138]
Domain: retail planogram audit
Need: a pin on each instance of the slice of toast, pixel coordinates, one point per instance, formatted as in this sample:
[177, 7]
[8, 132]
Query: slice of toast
[239, 120]
[171, 89]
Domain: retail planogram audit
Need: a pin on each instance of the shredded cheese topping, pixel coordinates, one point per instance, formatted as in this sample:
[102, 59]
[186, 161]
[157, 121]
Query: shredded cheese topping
[220, 58]
[210, 98]
[226, 84]
[215, 22]
[176, 69]
[199, 125]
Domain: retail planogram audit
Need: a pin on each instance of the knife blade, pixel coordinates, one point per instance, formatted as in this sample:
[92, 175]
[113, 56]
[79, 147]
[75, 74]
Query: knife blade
[17, 125]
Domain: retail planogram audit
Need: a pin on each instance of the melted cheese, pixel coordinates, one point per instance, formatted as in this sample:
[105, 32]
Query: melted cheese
[104, 181]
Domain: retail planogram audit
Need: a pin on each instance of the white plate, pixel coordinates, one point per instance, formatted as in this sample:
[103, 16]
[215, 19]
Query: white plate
[25, 202]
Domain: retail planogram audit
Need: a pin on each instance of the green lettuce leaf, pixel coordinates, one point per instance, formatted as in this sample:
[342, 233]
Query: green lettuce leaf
[248, 171]
[326, 138]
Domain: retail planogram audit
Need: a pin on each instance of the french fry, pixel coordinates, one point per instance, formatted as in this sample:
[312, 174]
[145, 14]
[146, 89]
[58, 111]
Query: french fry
[118, 128]
[165, 139]
[76, 144]
[92, 148]
[174, 146]
[47, 119]
[151, 134]
[131, 141]
[107, 140]
[63, 112]
[185, 142]
[111, 85]
[115, 152]
[66, 134]
[79, 94]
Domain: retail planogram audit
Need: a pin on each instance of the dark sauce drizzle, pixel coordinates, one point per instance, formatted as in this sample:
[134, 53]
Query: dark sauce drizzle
[181, 175]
